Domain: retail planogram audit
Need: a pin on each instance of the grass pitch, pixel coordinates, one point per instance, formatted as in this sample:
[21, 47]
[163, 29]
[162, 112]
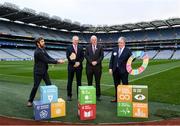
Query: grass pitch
[161, 76]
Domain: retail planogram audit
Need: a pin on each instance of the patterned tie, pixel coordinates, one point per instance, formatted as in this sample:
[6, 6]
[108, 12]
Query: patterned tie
[75, 48]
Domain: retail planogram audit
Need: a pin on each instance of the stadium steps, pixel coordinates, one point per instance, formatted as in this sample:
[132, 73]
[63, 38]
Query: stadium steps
[172, 54]
[10, 54]
[25, 53]
[156, 54]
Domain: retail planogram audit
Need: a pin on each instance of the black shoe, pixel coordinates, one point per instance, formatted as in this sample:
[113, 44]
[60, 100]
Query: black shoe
[69, 98]
[98, 99]
[114, 100]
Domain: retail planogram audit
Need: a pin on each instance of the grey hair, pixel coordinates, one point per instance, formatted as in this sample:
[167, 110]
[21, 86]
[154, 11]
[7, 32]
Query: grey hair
[75, 36]
[122, 38]
[93, 36]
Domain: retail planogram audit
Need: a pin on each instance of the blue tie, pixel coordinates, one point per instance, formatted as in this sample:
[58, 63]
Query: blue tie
[119, 54]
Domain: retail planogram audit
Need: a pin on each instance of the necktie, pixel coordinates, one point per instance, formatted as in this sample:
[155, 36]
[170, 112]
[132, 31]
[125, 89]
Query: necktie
[119, 52]
[75, 48]
[94, 49]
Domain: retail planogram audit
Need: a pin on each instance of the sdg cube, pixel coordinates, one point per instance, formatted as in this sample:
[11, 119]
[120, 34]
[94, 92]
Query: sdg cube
[140, 110]
[87, 111]
[124, 93]
[49, 94]
[140, 93]
[87, 95]
[124, 109]
[41, 111]
[58, 109]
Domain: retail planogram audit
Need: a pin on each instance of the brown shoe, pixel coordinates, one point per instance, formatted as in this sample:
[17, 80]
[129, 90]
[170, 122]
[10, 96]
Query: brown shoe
[114, 100]
[29, 104]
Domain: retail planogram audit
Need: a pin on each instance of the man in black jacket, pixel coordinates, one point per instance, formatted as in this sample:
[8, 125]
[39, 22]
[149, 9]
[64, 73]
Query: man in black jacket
[94, 55]
[75, 56]
[117, 65]
[41, 61]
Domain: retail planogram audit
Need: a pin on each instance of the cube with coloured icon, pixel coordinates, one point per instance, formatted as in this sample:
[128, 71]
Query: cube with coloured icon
[132, 101]
[49, 94]
[140, 110]
[124, 109]
[140, 93]
[124, 93]
[41, 111]
[87, 95]
[87, 111]
[58, 109]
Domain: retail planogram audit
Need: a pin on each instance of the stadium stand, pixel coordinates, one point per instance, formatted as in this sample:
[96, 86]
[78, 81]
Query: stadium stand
[164, 54]
[16, 53]
[19, 27]
[151, 54]
[176, 55]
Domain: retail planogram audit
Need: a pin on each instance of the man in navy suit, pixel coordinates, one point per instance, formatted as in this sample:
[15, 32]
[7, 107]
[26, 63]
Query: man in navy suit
[75, 56]
[41, 61]
[117, 65]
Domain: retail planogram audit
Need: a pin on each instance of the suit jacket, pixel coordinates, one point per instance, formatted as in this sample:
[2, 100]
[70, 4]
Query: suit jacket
[41, 61]
[121, 61]
[90, 56]
[79, 56]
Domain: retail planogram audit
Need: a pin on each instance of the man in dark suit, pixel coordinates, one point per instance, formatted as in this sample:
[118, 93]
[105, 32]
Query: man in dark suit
[75, 56]
[94, 55]
[41, 61]
[117, 65]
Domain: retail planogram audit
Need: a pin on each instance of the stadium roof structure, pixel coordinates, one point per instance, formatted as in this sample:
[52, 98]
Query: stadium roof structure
[29, 16]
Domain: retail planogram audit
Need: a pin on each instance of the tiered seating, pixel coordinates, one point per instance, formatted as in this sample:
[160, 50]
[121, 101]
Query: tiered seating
[29, 52]
[17, 53]
[4, 55]
[107, 55]
[164, 54]
[151, 53]
[53, 55]
[176, 55]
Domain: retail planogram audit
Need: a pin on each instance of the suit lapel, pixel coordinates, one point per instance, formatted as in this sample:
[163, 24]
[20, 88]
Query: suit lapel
[91, 49]
[116, 51]
[72, 49]
[122, 52]
[78, 49]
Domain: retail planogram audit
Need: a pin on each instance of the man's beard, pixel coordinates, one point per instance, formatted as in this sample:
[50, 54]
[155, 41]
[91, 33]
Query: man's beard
[42, 46]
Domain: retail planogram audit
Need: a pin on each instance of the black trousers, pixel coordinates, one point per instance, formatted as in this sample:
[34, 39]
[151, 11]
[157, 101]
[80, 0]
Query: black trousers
[71, 73]
[96, 72]
[118, 78]
[37, 81]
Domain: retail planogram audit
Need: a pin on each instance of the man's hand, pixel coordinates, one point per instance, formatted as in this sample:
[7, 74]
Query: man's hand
[76, 64]
[60, 61]
[72, 56]
[110, 71]
[94, 63]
